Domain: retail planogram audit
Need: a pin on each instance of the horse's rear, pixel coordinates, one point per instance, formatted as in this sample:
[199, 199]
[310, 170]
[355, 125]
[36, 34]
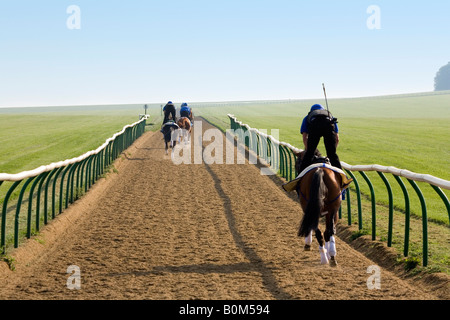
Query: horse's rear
[186, 127]
[320, 195]
[168, 138]
[185, 123]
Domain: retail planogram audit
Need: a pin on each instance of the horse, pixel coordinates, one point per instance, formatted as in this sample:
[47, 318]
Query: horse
[168, 130]
[319, 192]
[186, 127]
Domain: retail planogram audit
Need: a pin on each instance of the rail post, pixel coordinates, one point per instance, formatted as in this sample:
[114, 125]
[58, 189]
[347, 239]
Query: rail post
[424, 221]
[38, 199]
[30, 202]
[19, 205]
[4, 211]
[407, 215]
[391, 208]
[443, 197]
[358, 198]
[374, 214]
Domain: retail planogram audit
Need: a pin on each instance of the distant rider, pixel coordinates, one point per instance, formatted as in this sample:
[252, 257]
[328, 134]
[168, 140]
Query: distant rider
[169, 110]
[186, 111]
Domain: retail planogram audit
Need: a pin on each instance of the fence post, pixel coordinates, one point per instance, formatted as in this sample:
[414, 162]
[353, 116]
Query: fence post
[87, 179]
[61, 190]
[407, 214]
[358, 197]
[283, 162]
[424, 221]
[391, 208]
[444, 198]
[55, 179]
[349, 208]
[49, 178]
[30, 203]
[5, 207]
[19, 205]
[372, 193]
[292, 173]
[38, 200]
[70, 182]
[83, 175]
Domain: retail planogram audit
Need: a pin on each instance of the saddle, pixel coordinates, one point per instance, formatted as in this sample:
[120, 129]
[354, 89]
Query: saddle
[292, 185]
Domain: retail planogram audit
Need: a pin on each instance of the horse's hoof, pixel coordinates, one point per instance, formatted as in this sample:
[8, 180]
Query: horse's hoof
[307, 247]
[333, 262]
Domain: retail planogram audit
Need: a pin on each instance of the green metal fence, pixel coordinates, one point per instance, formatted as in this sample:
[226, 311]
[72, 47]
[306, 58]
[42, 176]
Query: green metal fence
[284, 154]
[54, 187]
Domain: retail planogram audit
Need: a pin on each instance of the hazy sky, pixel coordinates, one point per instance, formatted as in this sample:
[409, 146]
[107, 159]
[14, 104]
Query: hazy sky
[205, 50]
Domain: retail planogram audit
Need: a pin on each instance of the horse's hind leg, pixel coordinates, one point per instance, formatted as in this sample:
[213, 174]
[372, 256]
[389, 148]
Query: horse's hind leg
[330, 241]
[322, 250]
[308, 242]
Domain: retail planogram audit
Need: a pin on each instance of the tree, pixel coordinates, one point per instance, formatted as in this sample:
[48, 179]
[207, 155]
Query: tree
[442, 79]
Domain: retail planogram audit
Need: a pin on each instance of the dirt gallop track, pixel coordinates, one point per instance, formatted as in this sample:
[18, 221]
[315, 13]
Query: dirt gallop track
[156, 230]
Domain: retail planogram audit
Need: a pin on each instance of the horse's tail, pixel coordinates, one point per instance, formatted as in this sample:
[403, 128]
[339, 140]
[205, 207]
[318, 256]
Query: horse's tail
[315, 205]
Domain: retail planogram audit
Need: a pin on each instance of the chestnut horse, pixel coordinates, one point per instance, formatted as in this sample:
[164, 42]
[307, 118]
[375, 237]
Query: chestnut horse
[319, 191]
[186, 127]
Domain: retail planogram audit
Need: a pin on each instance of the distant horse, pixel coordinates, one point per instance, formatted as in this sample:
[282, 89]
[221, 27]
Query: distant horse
[186, 127]
[319, 191]
[170, 131]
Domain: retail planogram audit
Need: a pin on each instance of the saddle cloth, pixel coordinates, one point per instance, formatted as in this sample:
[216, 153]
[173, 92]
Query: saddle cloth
[292, 185]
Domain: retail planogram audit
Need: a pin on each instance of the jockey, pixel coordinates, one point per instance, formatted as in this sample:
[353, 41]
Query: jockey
[319, 123]
[186, 111]
[169, 109]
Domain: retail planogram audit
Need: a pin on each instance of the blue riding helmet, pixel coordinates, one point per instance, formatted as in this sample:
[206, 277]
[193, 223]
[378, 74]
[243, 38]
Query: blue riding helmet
[317, 107]
[184, 104]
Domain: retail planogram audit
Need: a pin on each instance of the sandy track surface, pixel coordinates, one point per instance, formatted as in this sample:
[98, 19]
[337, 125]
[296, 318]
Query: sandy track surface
[156, 230]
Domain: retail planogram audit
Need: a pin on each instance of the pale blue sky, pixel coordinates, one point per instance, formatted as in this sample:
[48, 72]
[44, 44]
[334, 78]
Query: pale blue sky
[205, 50]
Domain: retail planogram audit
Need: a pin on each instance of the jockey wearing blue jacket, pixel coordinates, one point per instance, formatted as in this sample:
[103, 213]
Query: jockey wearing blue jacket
[186, 111]
[319, 123]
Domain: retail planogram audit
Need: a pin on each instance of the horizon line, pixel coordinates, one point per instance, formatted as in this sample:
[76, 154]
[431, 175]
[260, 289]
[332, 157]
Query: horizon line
[398, 95]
